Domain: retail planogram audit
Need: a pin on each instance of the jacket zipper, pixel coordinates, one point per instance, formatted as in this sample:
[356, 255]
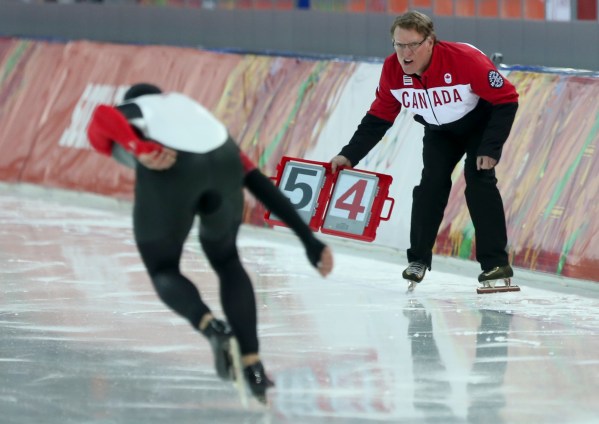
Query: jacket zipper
[429, 98]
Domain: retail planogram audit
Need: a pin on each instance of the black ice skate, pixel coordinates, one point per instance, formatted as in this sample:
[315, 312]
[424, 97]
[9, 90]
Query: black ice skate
[488, 279]
[219, 334]
[257, 381]
[414, 274]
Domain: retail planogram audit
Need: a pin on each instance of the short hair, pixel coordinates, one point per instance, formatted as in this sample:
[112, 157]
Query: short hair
[141, 89]
[417, 21]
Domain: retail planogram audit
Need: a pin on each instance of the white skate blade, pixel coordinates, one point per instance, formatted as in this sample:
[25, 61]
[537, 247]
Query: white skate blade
[238, 379]
[411, 286]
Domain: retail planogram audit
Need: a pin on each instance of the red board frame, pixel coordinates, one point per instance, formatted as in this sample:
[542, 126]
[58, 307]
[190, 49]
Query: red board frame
[323, 200]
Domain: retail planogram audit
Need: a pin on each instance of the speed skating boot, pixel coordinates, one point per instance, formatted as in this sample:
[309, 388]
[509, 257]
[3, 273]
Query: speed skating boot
[414, 274]
[257, 381]
[489, 279]
[219, 335]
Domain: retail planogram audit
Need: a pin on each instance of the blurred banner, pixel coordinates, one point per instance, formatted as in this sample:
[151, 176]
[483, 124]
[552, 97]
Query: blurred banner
[275, 107]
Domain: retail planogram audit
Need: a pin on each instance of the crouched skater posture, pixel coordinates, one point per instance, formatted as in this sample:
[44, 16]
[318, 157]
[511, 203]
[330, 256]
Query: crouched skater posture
[187, 165]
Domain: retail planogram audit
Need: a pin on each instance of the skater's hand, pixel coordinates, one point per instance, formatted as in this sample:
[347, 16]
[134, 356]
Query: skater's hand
[158, 160]
[339, 161]
[325, 265]
[485, 162]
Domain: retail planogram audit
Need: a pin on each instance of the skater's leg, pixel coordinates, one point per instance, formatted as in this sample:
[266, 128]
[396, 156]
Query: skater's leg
[236, 291]
[239, 304]
[163, 214]
[162, 259]
[180, 294]
[220, 210]
[440, 156]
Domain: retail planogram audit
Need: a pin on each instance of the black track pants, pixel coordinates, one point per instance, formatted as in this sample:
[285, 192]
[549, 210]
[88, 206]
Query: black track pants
[441, 153]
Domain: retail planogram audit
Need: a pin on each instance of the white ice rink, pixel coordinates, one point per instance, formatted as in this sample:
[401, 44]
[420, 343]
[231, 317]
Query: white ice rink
[84, 338]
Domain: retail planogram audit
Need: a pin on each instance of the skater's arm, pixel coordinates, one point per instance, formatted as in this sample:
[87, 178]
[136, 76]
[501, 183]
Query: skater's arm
[108, 126]
[157, 161]
[111, 134]
[261, 186]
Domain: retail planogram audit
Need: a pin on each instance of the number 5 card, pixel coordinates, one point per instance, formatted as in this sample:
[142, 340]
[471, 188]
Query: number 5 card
[348, 203]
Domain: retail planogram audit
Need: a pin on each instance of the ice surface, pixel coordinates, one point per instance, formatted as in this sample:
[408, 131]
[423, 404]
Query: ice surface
[84, 339]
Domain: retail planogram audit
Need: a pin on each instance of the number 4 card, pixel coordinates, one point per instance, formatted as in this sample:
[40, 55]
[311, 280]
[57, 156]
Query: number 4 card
[348, 203]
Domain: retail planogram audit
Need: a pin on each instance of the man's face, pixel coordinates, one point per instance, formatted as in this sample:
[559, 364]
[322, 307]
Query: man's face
[413, 50]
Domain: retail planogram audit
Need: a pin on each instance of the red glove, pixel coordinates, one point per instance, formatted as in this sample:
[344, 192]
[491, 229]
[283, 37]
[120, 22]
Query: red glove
[108, 125]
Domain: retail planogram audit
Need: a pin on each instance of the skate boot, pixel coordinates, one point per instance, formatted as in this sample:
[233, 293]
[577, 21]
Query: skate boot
[219, 334]
[489, 279]
[257, 380]
[414, 274]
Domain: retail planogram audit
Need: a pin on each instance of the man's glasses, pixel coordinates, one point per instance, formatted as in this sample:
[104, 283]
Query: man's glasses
[412, 46]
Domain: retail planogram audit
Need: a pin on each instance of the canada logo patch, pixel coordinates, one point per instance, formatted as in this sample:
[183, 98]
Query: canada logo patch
[495, 79]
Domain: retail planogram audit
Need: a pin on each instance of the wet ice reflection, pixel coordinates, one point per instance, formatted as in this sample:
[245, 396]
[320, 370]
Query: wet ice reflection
[85, 339]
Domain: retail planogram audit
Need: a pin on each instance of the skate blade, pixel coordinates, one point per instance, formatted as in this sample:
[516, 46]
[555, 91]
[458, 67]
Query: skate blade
[497, 289]
[262, 399]
[237, 372]
[411, 286]
[224, 362]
